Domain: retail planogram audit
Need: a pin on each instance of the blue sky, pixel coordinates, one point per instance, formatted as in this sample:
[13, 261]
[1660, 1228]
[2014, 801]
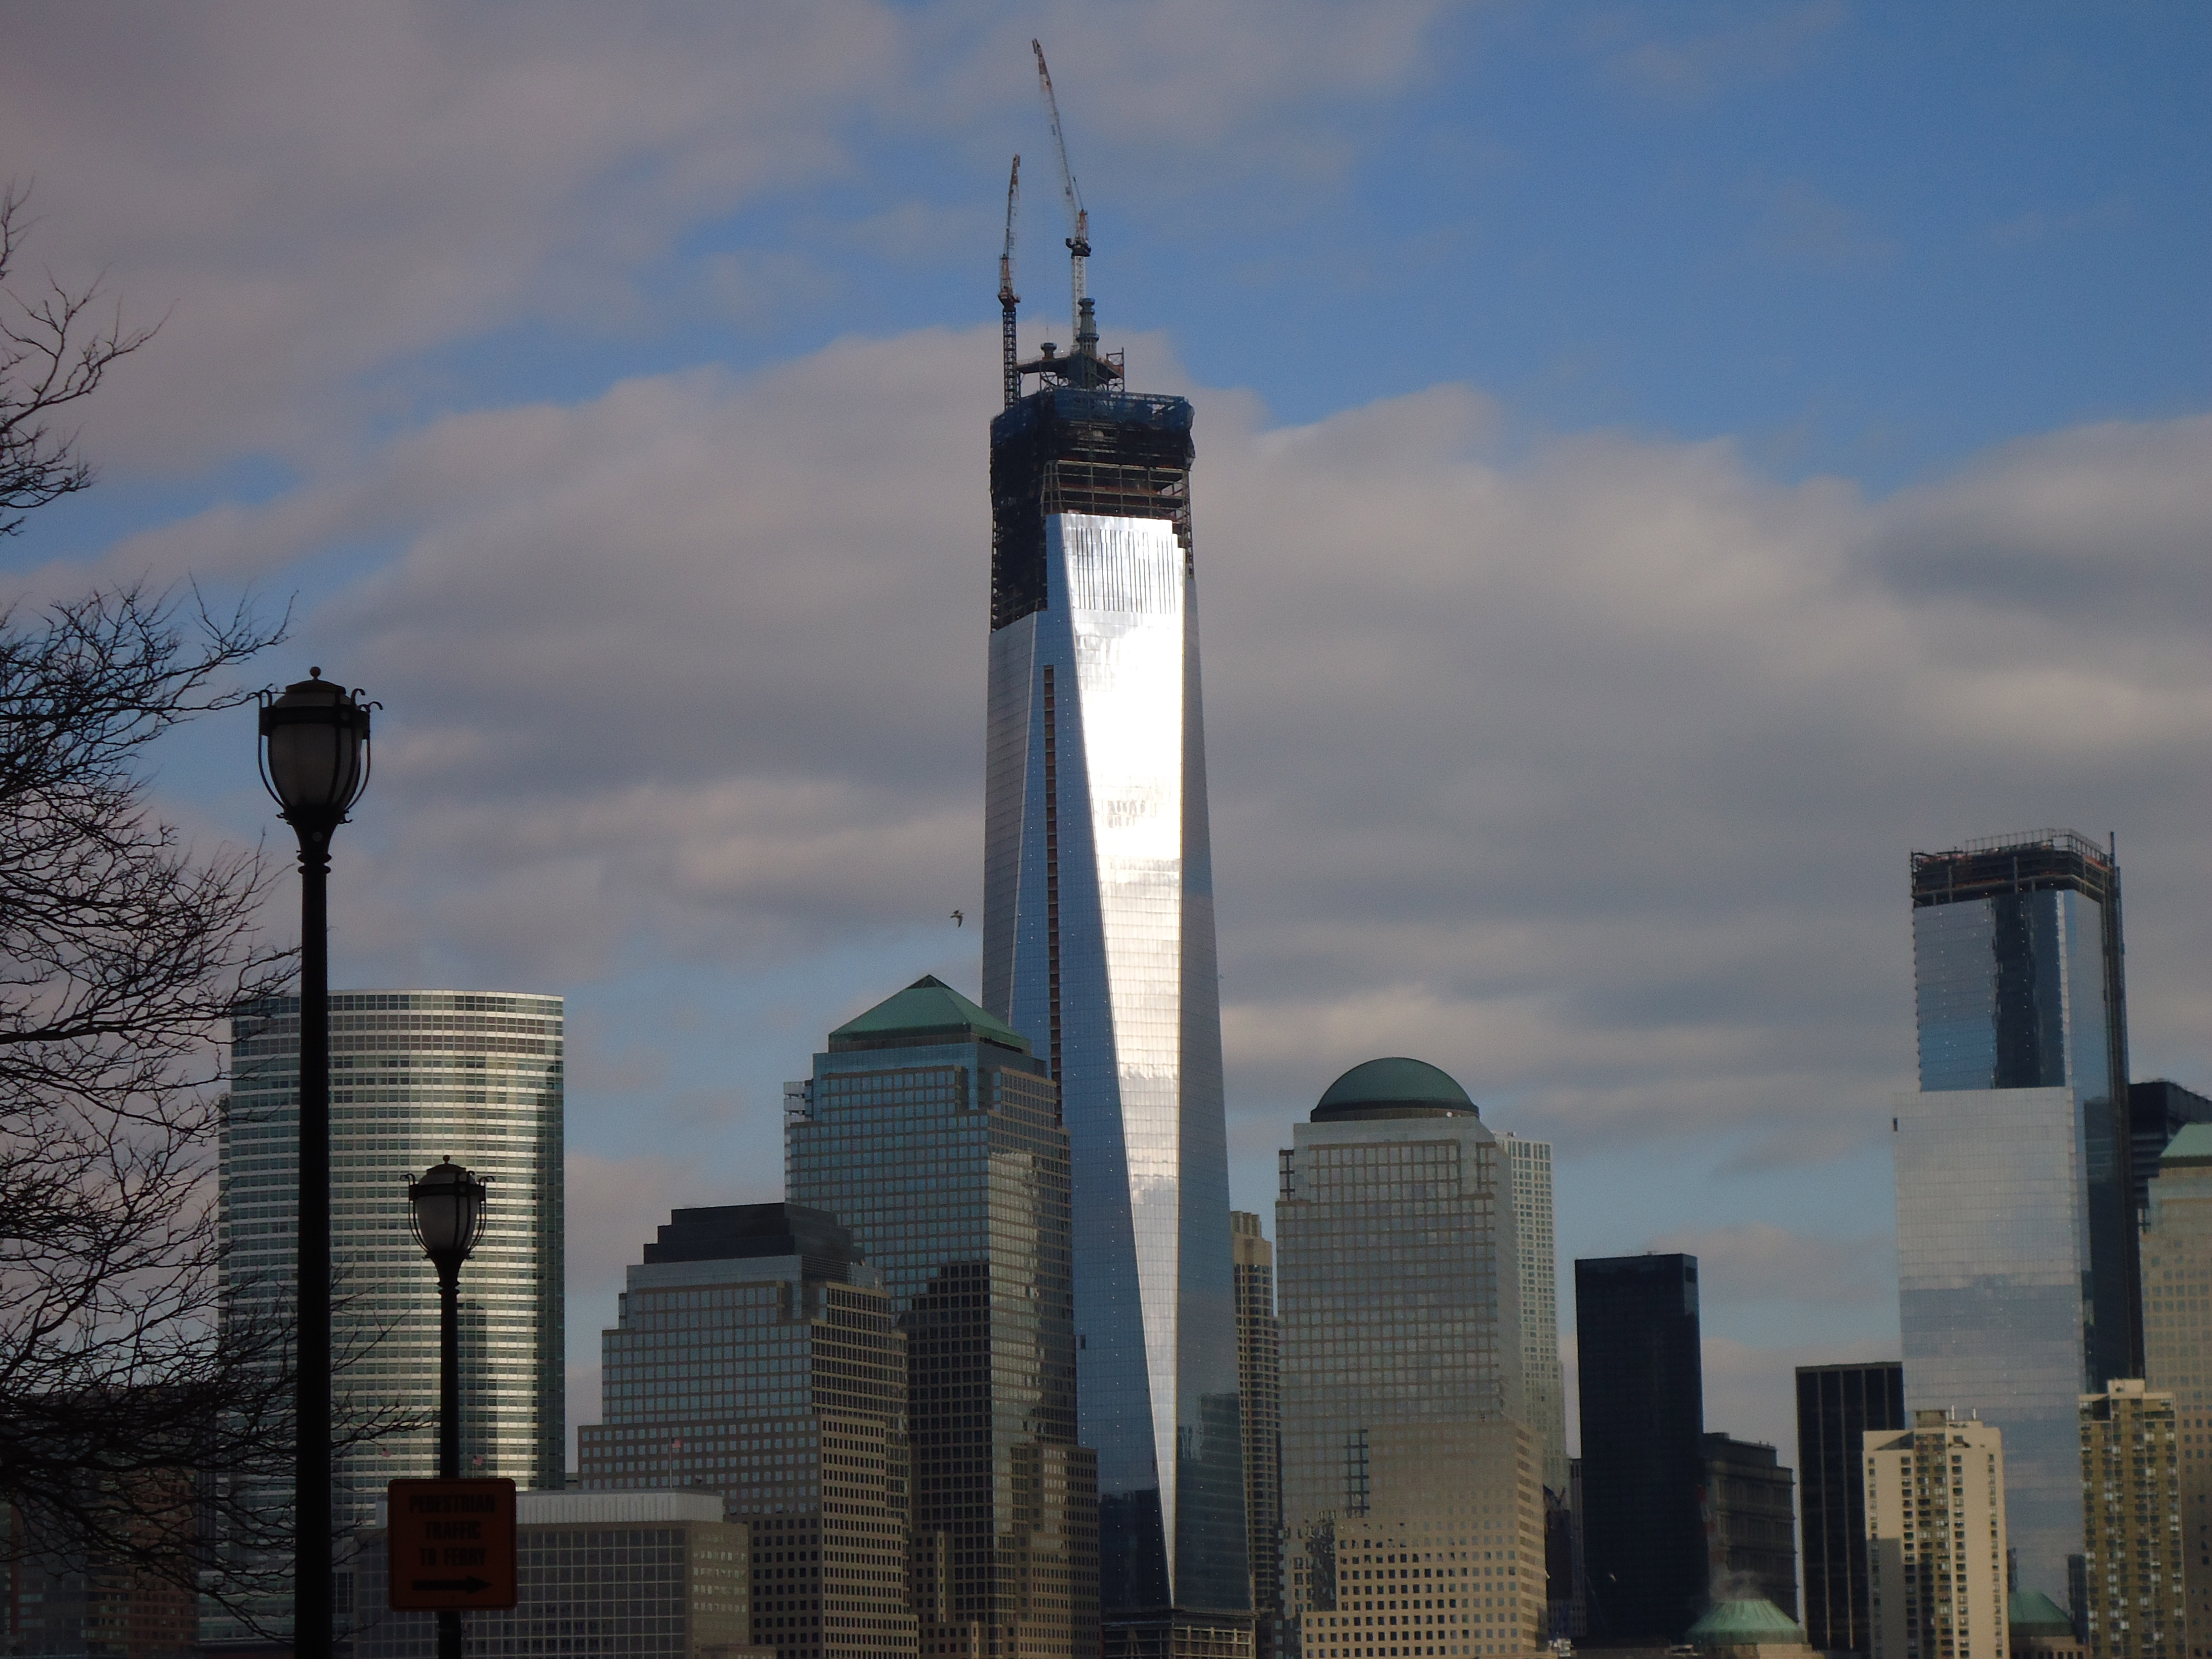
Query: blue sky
[1658, 466]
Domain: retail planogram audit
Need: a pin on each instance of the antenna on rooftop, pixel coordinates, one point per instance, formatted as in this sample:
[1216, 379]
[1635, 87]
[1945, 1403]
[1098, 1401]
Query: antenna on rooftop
[1007, 298]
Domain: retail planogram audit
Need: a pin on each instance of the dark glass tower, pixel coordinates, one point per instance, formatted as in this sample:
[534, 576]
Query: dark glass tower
[2157, 1111]
[1098, 947]
[932, 1132]
[1837, 1404]
[1642, 1379]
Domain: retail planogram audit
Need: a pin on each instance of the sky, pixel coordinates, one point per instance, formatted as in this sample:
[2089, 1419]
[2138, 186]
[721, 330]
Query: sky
[1658, 466]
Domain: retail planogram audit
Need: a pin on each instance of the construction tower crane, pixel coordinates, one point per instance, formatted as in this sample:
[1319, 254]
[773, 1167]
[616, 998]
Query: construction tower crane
[1007, 298]
[1078, 245]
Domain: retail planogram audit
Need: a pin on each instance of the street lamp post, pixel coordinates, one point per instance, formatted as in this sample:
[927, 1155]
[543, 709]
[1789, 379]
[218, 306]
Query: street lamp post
[447, 1205]
[314, 761]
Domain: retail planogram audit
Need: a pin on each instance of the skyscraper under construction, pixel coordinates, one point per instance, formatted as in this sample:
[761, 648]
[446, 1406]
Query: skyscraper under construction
[1098, 947]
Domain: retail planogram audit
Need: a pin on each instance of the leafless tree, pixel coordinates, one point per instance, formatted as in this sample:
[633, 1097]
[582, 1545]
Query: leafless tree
[56, 345]
[145, 1402]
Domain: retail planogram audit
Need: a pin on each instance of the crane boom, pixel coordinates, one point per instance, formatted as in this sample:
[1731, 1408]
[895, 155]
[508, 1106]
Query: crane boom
[1078, 245]
[1007, 298]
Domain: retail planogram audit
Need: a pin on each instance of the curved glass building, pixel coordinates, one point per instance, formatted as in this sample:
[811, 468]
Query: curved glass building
[416, 1076]
[1098, 948]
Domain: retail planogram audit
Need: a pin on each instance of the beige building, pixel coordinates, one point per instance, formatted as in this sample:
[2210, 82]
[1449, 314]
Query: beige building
[1447, 1559]
[2177, 1307]
[1935, 1538]
[2131, 1524]
[1260, 1377]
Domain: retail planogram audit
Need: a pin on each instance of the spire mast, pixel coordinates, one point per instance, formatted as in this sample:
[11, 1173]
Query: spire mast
[1007, 298]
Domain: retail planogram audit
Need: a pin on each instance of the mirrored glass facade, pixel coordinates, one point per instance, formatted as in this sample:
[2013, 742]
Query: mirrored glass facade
[1991, 1261]
[416, 1076]
[930, 1131]
[1098, 947]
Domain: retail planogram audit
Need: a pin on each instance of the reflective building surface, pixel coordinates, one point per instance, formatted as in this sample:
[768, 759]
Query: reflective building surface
[1543, 1382]
[1837, 1404]
[1098, 947]
[930, 1130]
[416, 1076]
[2016, 1237]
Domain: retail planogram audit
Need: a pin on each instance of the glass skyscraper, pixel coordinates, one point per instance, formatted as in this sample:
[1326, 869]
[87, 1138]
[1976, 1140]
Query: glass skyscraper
[1837, 1404]
[930, 1131]
[1098, 947]
[1641, 1375]
[416, 1076]
[1543, 1380]
[1399, 1294]
[755, 1356]
[2016, 1240]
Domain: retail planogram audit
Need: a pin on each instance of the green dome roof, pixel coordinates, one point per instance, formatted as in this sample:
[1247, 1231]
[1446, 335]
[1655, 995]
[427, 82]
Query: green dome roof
[929, 1011]
[1744, 1623]
[1396, 1087]
[2030, 1612]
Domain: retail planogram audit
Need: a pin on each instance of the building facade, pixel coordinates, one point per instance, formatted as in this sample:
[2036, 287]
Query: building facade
[1935, 1538]
[2137, 1606]
[1543, 1384]
[1750, 1523]
[2177, 1274]
[645, 1575]
[1641, 1377]
[930, 1131]
[2157, 1111]
[1446, 1560]
[416, 1076]
[1260, 1381]
[1837, 1404]
[757, 1357]
[1098, 946]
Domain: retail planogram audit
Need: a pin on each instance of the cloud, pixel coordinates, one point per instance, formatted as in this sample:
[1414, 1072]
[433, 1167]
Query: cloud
[1749, 46]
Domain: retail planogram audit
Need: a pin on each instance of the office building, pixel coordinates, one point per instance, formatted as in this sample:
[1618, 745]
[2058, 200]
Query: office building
[2177, 1276]
[1836, 1406]
[1448, 1558]
[1098, 946]
[2016, 1247]
[932, 1132]
[2040, 1628]
[1751, 1524]
[1641, 1377]
[415, 1076]
[1936, 1533]
[756, 1356]
[2137, 1606]
[1258, 1375]
[2157, 1111]
[85, 1604]
[1397, 1283]
[1543, 1384]
[644, 1574]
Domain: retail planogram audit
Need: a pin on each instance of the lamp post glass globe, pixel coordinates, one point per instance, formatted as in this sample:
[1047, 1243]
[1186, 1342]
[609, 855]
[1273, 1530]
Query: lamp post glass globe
[447, 1205]
[314, 752]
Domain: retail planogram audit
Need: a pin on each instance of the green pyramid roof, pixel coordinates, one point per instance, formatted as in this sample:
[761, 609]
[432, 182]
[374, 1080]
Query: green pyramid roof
[927, 1010]
[2193, 1144]
[1744, 1623]
[2030, 1612]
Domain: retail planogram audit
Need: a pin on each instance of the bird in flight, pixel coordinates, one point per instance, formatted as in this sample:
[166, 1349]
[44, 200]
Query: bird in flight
[959, 921]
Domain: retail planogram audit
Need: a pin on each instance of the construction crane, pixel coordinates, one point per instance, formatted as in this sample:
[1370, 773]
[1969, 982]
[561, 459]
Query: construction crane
[1078, 245]
[1007, 298]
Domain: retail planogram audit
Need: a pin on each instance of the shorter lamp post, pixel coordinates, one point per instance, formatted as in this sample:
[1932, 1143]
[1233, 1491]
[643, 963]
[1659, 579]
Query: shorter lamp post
[447, 1205]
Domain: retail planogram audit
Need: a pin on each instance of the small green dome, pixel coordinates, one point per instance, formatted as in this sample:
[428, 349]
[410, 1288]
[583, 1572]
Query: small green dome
[1396, 1087]
[2030, 1612]
[1755, 1623]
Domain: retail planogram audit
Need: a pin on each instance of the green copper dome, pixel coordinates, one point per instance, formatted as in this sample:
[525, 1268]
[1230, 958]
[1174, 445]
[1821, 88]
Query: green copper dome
[929, 1011]
[1396, 1087]
[2030, 1612]
[1756, 1623]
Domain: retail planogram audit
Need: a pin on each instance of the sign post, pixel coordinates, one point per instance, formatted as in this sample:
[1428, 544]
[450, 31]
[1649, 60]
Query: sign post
[450, 1546]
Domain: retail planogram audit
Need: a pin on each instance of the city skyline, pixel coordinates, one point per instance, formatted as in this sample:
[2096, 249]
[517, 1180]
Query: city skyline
[1592, 590]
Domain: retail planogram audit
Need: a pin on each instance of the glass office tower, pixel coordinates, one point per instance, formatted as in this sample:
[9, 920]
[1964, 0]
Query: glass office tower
[416, 1076]
[1398, 1295]
[930, 1131]
[1543, 1379]
[1837, 1406]
[2016, 1242]
[1641, 1375]
[1098, 947]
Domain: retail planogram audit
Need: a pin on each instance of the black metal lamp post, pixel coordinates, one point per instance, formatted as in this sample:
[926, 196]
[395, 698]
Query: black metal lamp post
[314, 761]
[448, 1205]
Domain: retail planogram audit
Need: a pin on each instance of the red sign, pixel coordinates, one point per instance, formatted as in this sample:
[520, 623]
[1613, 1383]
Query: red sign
[452, 1544]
